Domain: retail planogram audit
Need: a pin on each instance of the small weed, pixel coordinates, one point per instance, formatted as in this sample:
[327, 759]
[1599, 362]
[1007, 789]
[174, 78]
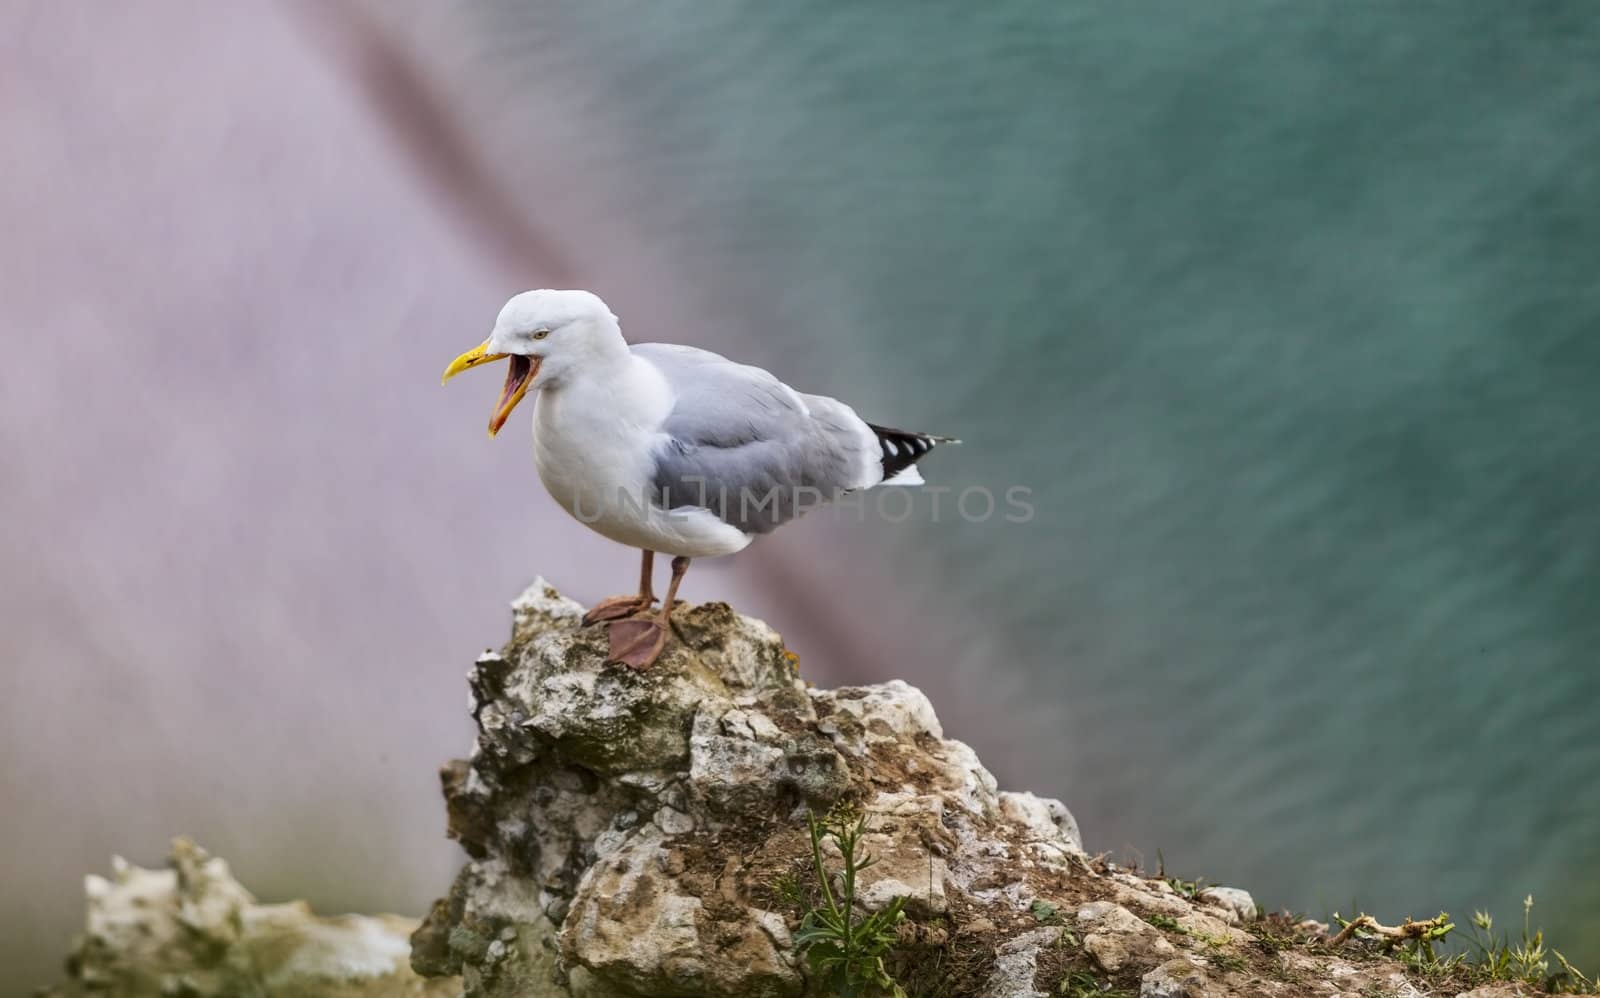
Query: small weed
[1045, 912]
[1066, 941]
[1273, 942]
[1082, 984]
[1164, 922]
[1224, 961]
[1278, 931]
[844, 948]
[787, 889]
[1188, 889]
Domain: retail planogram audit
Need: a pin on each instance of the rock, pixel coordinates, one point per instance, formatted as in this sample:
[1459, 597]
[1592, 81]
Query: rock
[903, 869]
[626, 829]
[1113, 935]
[645, 835]
[1016, 965]
[1236, 905]
[1045, 818]
[193, 930]
[1107, 916]
[1180, 978]
[634, 937]
[1208, 928]
[1109, 950]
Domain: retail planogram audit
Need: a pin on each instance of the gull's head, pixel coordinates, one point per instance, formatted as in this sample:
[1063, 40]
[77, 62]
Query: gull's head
[547, 335]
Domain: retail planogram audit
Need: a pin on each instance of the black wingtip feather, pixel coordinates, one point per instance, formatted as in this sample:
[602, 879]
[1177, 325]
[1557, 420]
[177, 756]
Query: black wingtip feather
[899, 449]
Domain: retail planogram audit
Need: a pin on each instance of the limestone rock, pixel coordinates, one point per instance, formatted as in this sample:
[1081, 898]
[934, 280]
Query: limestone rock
[1016, 965]
[1047, 819]
[644, 835]
[1237, 906]
[1179, 978]
[191, 930]
[1114, 936]
[626, 828]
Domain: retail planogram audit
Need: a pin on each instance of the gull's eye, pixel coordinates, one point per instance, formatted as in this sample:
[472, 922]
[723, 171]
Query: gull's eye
[540, 334]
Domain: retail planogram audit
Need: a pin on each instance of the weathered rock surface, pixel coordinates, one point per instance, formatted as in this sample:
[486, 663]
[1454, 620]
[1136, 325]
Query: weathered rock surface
[191, 931]
[644, 835]
[628, 830]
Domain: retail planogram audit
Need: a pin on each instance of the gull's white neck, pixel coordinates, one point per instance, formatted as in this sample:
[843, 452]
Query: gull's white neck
[610, 386]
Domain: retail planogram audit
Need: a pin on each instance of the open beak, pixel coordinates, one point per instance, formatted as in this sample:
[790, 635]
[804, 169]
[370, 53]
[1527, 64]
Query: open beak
[518, 378]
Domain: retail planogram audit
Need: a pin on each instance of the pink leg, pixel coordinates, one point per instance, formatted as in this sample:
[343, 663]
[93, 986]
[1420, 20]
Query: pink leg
[617, 607]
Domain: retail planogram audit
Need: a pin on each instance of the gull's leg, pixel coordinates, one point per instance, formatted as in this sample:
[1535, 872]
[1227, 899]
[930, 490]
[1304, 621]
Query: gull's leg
[617, 607]
[639, 642]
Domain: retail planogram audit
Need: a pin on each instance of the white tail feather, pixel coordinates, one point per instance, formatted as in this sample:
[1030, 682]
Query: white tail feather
[906, 476]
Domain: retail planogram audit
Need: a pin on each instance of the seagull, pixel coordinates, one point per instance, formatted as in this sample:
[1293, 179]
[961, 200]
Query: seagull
[671, 448]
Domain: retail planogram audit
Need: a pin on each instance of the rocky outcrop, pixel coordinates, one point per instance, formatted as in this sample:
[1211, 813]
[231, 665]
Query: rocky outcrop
[631, 834]
[191, 931]
[626, 828]
[647, 834]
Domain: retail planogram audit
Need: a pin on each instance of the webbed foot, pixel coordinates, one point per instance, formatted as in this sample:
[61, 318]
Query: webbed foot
[637, 643]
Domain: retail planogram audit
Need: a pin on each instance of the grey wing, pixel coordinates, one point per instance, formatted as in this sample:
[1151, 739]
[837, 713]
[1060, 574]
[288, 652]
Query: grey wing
[744, 445]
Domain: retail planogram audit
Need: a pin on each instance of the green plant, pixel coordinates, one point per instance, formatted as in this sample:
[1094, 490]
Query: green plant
[1189, 889]
[1278, 931]
[1498, 958]
[1167, 923]
[787, 889]
[1082, 984]
[843, 948]
[1185, 888]
[1223, 960]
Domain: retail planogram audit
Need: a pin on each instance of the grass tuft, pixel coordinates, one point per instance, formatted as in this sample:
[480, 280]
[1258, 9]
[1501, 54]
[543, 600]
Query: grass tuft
[1525, 960]
[1082, 984]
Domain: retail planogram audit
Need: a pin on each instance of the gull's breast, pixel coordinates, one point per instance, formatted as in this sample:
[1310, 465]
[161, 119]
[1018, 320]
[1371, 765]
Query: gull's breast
[596, 458]
[592, 464]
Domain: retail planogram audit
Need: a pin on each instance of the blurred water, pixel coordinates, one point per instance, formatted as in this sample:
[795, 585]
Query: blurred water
[1286, 314]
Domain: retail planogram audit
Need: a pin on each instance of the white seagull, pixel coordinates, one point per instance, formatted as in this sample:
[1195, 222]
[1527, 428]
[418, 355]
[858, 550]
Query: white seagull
[669, 448]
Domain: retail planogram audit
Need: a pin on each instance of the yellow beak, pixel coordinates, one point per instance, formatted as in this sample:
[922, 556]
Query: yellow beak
[518, 378]
[472, 358]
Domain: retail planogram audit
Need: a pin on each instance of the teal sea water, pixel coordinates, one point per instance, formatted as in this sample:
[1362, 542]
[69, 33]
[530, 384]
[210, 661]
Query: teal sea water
[1288, 314]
